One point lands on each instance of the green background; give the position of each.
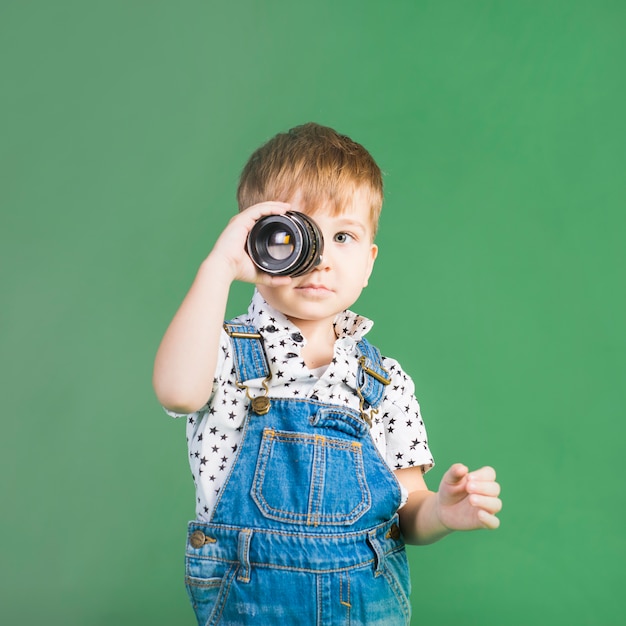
(500, 127)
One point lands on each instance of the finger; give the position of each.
(272, 207)
(231, 242)
(454, 481)
(484, 473)
(248, 217)
(486, 503)
(488, 520)
(272, 281)
(485, 488)
(455, 474)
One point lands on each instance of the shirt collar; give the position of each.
(347, 324)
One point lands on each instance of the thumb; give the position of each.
(271, 280)
(455, 474)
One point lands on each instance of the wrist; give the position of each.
(440, 516)
(218, 268)
(421, 520)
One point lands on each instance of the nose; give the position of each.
(324, 263)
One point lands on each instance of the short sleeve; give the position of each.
(406, 440)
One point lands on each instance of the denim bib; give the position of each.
(305, 528)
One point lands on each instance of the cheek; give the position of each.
(359, 275)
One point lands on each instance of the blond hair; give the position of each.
(322, 166)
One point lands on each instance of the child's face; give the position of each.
(336, 283)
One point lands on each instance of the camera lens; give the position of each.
(285, 245)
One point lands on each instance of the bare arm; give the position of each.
(186, 359)
(465, 501)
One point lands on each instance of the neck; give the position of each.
(320, 341)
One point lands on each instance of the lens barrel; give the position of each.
(290, 244)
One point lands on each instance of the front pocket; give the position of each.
(310, 479)
(208, 588)
(396, 573)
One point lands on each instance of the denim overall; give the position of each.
(305, 529)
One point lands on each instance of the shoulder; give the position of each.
(401, 385)
(396, 371)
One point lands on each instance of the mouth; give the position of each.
(314, 288)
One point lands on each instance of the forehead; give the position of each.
(353, 209)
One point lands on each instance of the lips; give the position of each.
(314, 288)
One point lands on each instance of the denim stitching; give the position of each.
(379, 554)
(222, 596)
(380, 530)
(291, 568)
(243, 553)
(396, 587)
(346, 602)
(250, 361)
(318, 597)
(316, 490)
(372, 390)
(269, 437)
(386, 548)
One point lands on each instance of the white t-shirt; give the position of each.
(214, 432)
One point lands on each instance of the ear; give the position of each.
(373, 253)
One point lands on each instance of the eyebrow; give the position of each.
(347, 222)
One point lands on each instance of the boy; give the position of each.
(306, 496)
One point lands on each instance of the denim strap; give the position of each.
(243, 554)
(372, 378)
(251, 363)
(249, 356)
(379, 552)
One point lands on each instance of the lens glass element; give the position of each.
(280, 245)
